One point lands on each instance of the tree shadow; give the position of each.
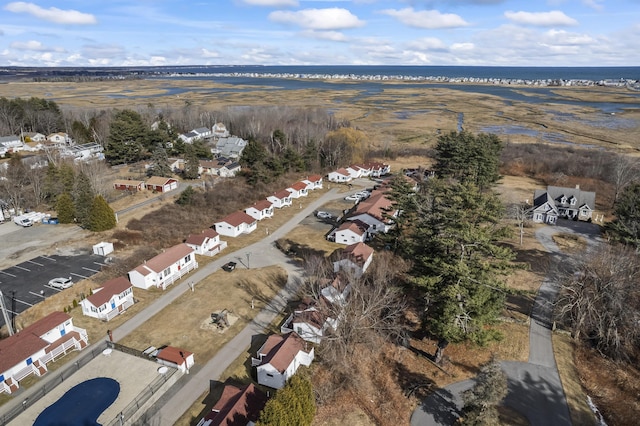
(536, 392)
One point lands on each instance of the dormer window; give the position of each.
(573, 201)
(563, 200)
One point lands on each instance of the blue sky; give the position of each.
(327, 32)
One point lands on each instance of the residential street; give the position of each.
(169, 409)
(534, 387)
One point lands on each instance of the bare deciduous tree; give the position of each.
(625, 171)
(600, 301)
(371, 312)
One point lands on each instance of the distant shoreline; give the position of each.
(625, 77)
(622, 82)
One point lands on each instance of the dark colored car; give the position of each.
(229, 266)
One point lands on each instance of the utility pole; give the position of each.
(5, 314)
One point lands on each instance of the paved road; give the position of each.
(264, 254)
(534, 387)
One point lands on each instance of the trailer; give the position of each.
(28, 219)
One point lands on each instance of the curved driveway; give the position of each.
(534, 387)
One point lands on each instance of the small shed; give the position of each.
(103, 248)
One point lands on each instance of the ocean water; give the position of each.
(525, 73)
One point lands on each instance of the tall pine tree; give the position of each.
(83, 196)
(101, 215)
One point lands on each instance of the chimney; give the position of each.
(577, 186)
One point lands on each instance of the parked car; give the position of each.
(323, 215)
(353, 197)
(61, 283)
(229, 266)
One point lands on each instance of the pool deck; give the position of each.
(133, 374)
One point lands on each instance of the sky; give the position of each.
(320, 32)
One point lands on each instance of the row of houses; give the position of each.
(246, 221)
(355, 171)
(217, 131)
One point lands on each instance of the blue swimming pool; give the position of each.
(82, 404)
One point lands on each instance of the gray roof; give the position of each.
(556, 194)
(201, 130)
(9, 138)
(231, 146)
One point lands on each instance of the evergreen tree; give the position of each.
(127, 138)
(254, 153)
(83, 197)
(52, 182)
(294, 404)
(469, 158)
(191, 163)
(67, 177)
(101, 215)
(310, 156)
(64, 208)
(481, 401)
(186, 196)
(291, 160)
(160, 163)
(626, 227)
(453, 243)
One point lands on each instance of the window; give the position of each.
(187, 258)
(166, 272)
(269, 375)
(573, 201)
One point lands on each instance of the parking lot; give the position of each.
(28, 282)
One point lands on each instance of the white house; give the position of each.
(33, 137)
(280, 357)
(219, 130)
(351, 232)
(298, 189)
(29, 350)
(341, 175)
(377, 212)
(313, 182)
(206, 243)
(337, 292)
(236, 406)
(59, 138)
(263, 209)
(85, 152)
(11, 144)
(357, 171)
(164, 269)
(195, 134)
(235, 224)
(308, 322)
(176, 358)
(280, 199)
(114, 297)
(229, 169)
(355, 259)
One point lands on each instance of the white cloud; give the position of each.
(541, 19)
(325, 35)
(568, 39)
(318, 19)
(428, 43)
(462, 47)
(53, 14)
(272, 3)
(594, 4)
(427, 19)
(33, 45)
(206, 53)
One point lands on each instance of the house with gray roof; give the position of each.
(560, 202)
(230, 147)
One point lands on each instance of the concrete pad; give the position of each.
(133, 373)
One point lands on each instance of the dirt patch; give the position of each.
(570, 243)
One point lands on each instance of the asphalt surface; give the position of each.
(28, 282)
(534, 387)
